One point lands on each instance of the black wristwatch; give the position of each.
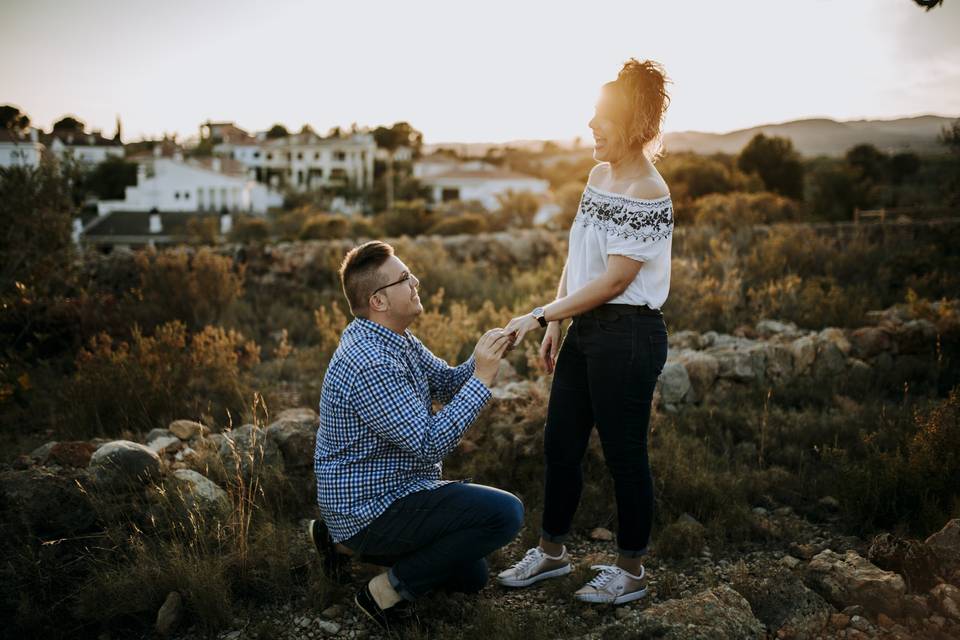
(538, 314)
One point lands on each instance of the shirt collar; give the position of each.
(388, 336)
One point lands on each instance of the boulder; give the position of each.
(702, 370)
(947, 598)
(804, 353)
(850, 579)
(777, 362)
(735, 364)
(122, 462)
(911, 559)
(248, 448)
(771, 328)
(867, 342)
(163, 443)
(187, 429)
(170, 614)
(41, 503)
(837, 338)
(830, 361)
(199, 493)
(296, 437)
(784, 604)
(71, 454)
(302, 415)
(916, 337)
(674, 383)
(945, 544)
(719, 613)
(41, 453)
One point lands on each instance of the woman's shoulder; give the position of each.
(648, 188)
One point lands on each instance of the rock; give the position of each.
(71, 454)
(674, 383)
(947, 598)
(790, 562)
(601, 534)
(506, 373)
(859, 374)
(780, 601)
(170, 614)
(685, 340)
(40, 454)
(884, 620)
(332, 612)
(302, 415)
(839, 620)
(916, 336)
(702, 371)
(621, 612)
(296, 439)
(915, 606)
(836, 337)
(200, 493)
(829, 503)
(804, 354)
(778, 362)
(40, 503)
(248, 449)
(122, 462)
(945, 545)
(830, 361)
(512, 390)
(735, 365)
(760, 511)
(187, 429)
(161, 444)
(867, 342)
(719, 613)
(153, 434)
(912, 559)
(328, 627)
(851, 579)
(770, 328)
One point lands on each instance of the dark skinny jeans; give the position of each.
(605, 374)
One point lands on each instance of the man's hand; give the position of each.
(520, 326)
(550, 346)
(490, 348)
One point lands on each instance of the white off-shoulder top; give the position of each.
(612, 224)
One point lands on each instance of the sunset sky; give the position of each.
(470, 71)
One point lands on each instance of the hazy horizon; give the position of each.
(511, 72)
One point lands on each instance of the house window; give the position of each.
(269, 156)
(289, 156)
(339, 155)
(176, 195)
(316, 156)
(300, 156)
(256, 154)
(449, 194)
(186, 195)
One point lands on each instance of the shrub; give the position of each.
(250, 230)
(465, 223)
(324, 227)
(738, 209)
(150, 381)
(410, 218)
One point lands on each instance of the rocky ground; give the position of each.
(824, 587)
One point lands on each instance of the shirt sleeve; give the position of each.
(642, 233)
(444, 380)
(386, 401)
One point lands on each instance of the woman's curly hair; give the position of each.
(642, 85)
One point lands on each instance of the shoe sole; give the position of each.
(376, 622)
(554, 573)
(599, 599)
(310, 534)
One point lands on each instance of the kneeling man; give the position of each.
(380, 447)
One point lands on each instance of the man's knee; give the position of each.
(509, 515)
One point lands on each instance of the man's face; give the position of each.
(399, 297)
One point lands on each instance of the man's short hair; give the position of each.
(360, 274)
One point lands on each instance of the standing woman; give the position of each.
(615, 280)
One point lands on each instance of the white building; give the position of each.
(300, 161)
(210, 184)
(482, 185)
(87, 148)
(20, 150)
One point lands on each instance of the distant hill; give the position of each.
(811, 137)
(822, 136)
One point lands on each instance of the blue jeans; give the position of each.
(440, 538)
(605, 374)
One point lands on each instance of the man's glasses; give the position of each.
(404, 278)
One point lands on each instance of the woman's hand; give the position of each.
(520, 326)
(550, 346)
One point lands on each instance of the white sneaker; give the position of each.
(612, 585)
(535, 566)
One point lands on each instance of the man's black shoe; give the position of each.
(335, 565)
(392, 619)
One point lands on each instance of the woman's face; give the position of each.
(607, 131)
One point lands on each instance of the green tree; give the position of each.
(870, 162)
(903, 165)
(69, 123)
(109, 179)
(12, 119)
(950, 136)
(401, 134)
(776, 162)
(277, 131)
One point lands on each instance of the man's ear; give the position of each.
(378, 302)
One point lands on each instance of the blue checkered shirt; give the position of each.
(379, 439)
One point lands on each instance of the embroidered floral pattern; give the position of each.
(645, 220)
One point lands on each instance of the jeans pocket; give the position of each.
(620, 326)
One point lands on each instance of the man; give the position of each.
(380, 447)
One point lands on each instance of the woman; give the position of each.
(616, 278)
